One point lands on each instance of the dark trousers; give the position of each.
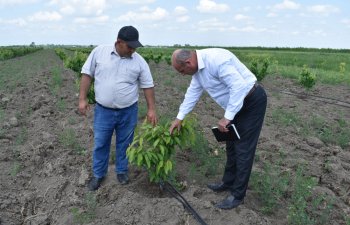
(240, 154)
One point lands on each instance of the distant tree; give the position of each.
(32, 44)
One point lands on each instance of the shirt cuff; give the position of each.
(180, 116)
(229, 115)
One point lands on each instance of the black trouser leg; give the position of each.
(240, 154)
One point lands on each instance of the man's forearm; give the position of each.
(150, 99)
(84, 86)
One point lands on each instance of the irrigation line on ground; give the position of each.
(314, 97)
(167, 186)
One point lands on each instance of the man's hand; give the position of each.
(152, 117)
(83, 106)
(222, 124)
(175, 124)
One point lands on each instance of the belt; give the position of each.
(252, 90)
(115, 109)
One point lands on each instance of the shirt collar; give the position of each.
(200, 60)
(114, 51)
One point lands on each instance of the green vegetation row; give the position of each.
(328, 66)
(15, 51)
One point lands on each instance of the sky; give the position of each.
(226, 23)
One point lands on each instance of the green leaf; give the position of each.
(167, 140)
(131, 154)
(177, 140)
(141, 141)
(148, 162)
(159, 166)
(139, 159)
(169, 165)
(156, 142)
(162, 149)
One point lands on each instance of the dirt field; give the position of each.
(44, 170)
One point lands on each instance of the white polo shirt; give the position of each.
(226, 79)
(117, 79)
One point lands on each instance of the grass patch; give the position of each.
(329, 132)
(68, 139)
(61, 105)
(16, 168)
(271, 184)
(22, 136)
(86, 215)
(285, 118)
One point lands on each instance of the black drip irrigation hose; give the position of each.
(170, 188)
(327, 100)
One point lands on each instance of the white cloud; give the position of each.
(180, 10)
(45, 16)
(323, 9)
(241, 17)
(286, 4)
(208, 6)
(68, 10)
(16, 2)
(271, 15)
(85, 20)
(145, 14)
(180, 13)
(139, 2)
(81, 7)
(252, 29)
(317, 33)
(212, 24)
(346, 22)
(182, 19)
(17, 22)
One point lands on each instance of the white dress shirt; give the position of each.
(223, 77)
(117, 79)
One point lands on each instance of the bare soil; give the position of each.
(43, 174)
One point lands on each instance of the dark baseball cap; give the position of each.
(130, 35)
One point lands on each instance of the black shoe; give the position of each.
(123, 178)
(94, 183)
(218, 187)
(229, 203)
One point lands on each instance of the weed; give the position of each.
(61, 105)
(22, 136)
(297, 210)
(67, 139)
(2, 115)
(285, 118)
(88, 215)
(15, 169)
(206, 162)
(326, 167)
(142, 110)
(56, 77)
(72, 120)
(347, 220)
(271, 185)
(336, 133)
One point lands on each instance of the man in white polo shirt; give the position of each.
(118, 72)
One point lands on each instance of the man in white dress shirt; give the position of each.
(234, 87)
(119, 72)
